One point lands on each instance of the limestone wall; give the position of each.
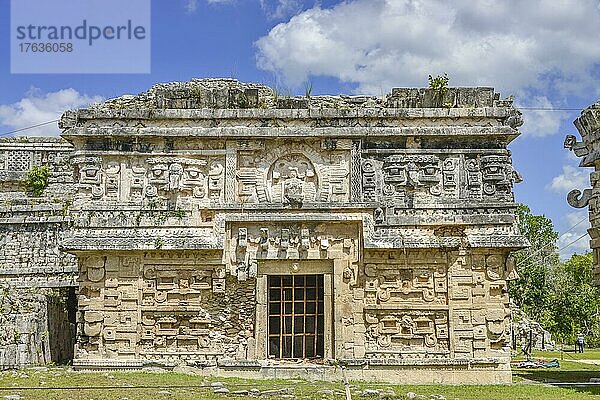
(33, 269)
(176, 309)
(23, 327)
(31, 226)
(189, 196)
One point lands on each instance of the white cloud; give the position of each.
(278, 9)
(571, 178)
(190, 6)
(575, 239)
(513, 45)
(36, 108)
(539, 121)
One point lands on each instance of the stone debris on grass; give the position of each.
(219, 388)
(157, 370)
(370, 392)
(186, 369)
(275, 392)
(38, 369)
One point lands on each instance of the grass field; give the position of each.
(62, 383)
(569, 371)
(162, 386)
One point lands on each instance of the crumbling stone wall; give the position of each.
(23, 328)
(31, 227)
(176, 311)
(33, 269)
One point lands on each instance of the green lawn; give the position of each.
(61, 383)
(569, 370)
(163, 386)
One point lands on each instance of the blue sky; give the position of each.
(545, 53)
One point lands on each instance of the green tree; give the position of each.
(560, 296)
(531, 290)
(575, 301)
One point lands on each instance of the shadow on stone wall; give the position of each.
(38, 326)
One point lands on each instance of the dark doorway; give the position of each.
(62, 311)
(295, 322)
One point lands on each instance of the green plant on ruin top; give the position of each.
(439, 83)
(36, 179)
(308, 88)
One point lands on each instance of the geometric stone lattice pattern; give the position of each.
(191, 195)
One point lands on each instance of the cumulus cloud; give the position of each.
(512, 45)
(575, 239)
(571, 178)
(37, 107)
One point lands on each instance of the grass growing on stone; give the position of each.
(46, 383)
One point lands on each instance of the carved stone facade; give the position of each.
(205, 215)
(193, 198)
(588, 125)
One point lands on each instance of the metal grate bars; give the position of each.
(295, 322)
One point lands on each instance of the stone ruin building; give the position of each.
(588, 125)
(37, 280)
(219, 224)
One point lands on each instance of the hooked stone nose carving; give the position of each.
(575, 200)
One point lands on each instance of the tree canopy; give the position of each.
(559, 295)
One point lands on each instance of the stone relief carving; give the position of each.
(588, 126)
(292, 176)
(403, 180)
(292, 180)
(298, 241)
(579, 200)
(157, 177)
(401, 331)
(403, 172)
(392, 285)
(172, 298)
